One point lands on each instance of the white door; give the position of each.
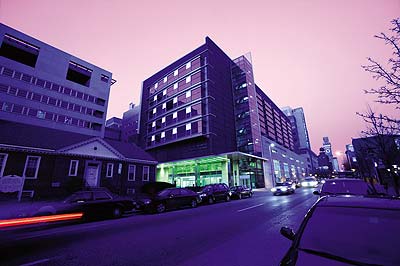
(91, 175)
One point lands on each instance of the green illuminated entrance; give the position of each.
(232, 169)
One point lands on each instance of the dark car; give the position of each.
(239, 192)
(348, 186)
(346, 230)
(92, 203)
(215, 192)
(167, 199)
(283, 188)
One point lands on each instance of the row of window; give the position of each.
(50, 101)
(73, 170)
(175, 102)
(176, 74)
(32, 164)
(188, 129)
(31, 167)
(175, 117)
(51, 86)
(40, 114)
(27, 54)
(175, 88)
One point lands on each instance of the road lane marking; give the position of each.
(36, 262)
(72, 230)
(255, 206)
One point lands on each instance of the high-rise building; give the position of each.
(327, 148)
(43, 86)
(301, 139)
(299, 127)
(204, 118)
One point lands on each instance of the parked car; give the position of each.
(283, 188)
(346, 230)
(152, 188)
(239, 192)
(309, 182)
(168, 199)
(92, 203)
(215, 192)
(349, 186)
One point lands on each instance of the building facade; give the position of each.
(378, 158)
(206, 121)
(57, 163)
(44, 86)
(130, 124)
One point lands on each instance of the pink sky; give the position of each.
(305, 53)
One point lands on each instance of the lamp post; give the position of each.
(270, 146)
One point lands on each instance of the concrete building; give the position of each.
(44, 86)
(327, 148)
(351, 157)
(378, 158)
(130, 124)
(206, 121)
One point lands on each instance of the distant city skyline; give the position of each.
(305, 54)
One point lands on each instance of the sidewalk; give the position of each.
(26, 208)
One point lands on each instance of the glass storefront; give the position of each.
(232, 169)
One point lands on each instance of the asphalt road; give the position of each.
(236, 233)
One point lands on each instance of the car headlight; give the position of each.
(203, 195)
(284, 189)
(147, 201)
(304, 184)
(273, 189)
(323, 181)
(314, 183)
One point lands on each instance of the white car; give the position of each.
(309, 182)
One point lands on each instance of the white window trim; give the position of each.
(174, 131)
(176, 72)
(76, 168)
(164, 106)
(37, 166)
(148, 173)
(154, 110)
(174, 115)
(188, 79)
(188, 65)
(164, 92)
(163, 119)
(175, 100)
(189, 126)
(175, 86)
(188, 109)
(134, 172)
(162, 134)
(156, 85)
(165, 79)
(112, 169)
(188, 94)
(3, 166)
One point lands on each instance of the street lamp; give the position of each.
(272, 166)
